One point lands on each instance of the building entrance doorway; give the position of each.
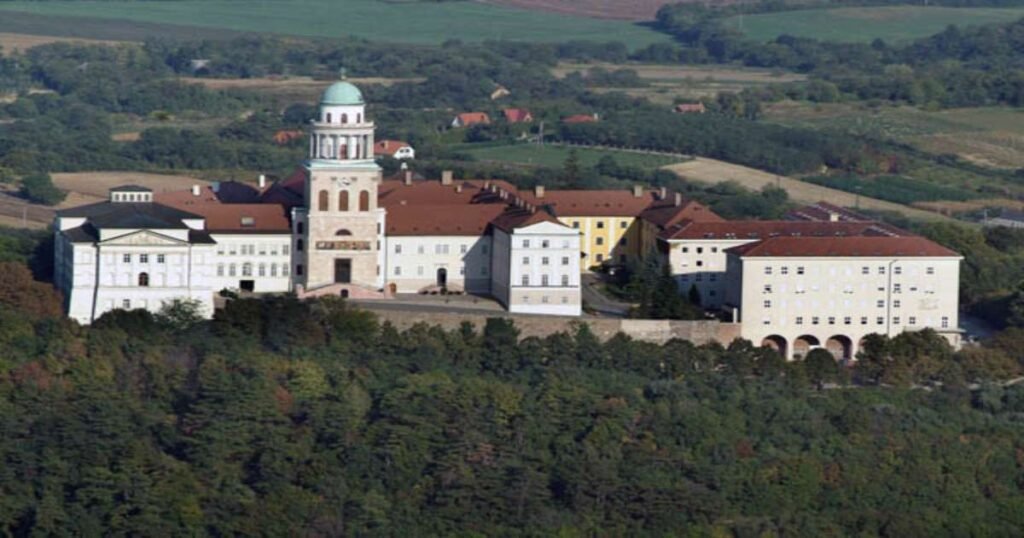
(247, 285)
(343, 271)
(442, 277)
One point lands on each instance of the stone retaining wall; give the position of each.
(650, 330)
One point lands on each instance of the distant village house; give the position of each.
(580, 118)
(468, 119)
(517, 115)
(394, 148)
(690, 108)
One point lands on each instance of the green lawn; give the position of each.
(413, 22)
(555, 156)
(863, 24)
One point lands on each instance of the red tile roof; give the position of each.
(285, 136)
(388, 147)
(471, 118)
(516, 217)
(459, 219)
(665, 214)
(391, 192)
(230, 218)
(596, 203)
(517, 115)
(861, 246)
(762, 229)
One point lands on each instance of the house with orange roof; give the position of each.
(469, 119)
(396, 149)
(517, 115)
(287, 136)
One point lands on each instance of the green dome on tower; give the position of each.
(342, 93)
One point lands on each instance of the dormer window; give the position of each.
(131, 193)
(248, 222)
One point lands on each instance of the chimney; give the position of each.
(679, 199)
(446, 177)
(638, 191)
(662, 193)
(196, 190)
(263, 181)
(833, 216)
(458, 188)
(407, 178)
(538, 191)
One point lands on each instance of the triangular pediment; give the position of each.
(144, 238)
(545, 228)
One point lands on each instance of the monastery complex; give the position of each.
(823, 277)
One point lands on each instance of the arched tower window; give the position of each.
(300, 228)
(299, 246)
(364, 200)
(328, 117)
(359, 118)
(343, 201)
(323, 201)
(344, 118)
(144, 280)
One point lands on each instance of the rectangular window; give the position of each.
(160, 258)
(896, 304)
(799, 270)
(576, 224)
(220, 269)
(912, 320)
(767, 288)
(565, 280)
(525, 280)
(847, 320)
(865, 270)
(420, 249)
(273, 269)
(686, 249)
(565, 260)
(896, 320)
(298, 270)
(864, 320)
(398, 271)
(799, 320)
(263, 249)
(127, 258)
(881, 269)
(398, 248)
(600, 258)
(896, 288)
(463, 249)
(699, 277)
(143, 258)
(126, 304)
(880, 303)
(484, 249)
(767, 270)
(462, 271)
(713, 277)
(945, 322)
(231, 270)
(814, 320)
(526, 243)
(714, 249)
(700, 250)
(767, 304)
(285, 249)
(600, 240)
(785, 270)
(623, 224)
(544, 280)
(526, 260)
(930, 271)
(419, 270)
(897, 270)
(880, 320)
(545, 244)
(600, 224)
(544, 260)
(544, 299)
(262, 270)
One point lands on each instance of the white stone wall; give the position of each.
(264, 259)
(413, 262)
(823, 298)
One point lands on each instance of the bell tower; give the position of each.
(343, 226)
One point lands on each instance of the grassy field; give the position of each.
(864, 24)
(667, 82)
(992, 136)
(413, 22)
(10, 42)
(555, 156)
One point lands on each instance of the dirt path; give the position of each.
(712, 171)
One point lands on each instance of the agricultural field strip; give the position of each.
(864, 24)
(421, 22)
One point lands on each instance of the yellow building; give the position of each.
(617, 226)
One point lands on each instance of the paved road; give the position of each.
(600, 302)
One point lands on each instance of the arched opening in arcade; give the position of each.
(803, 345)
(776, 343)
(840, 346)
